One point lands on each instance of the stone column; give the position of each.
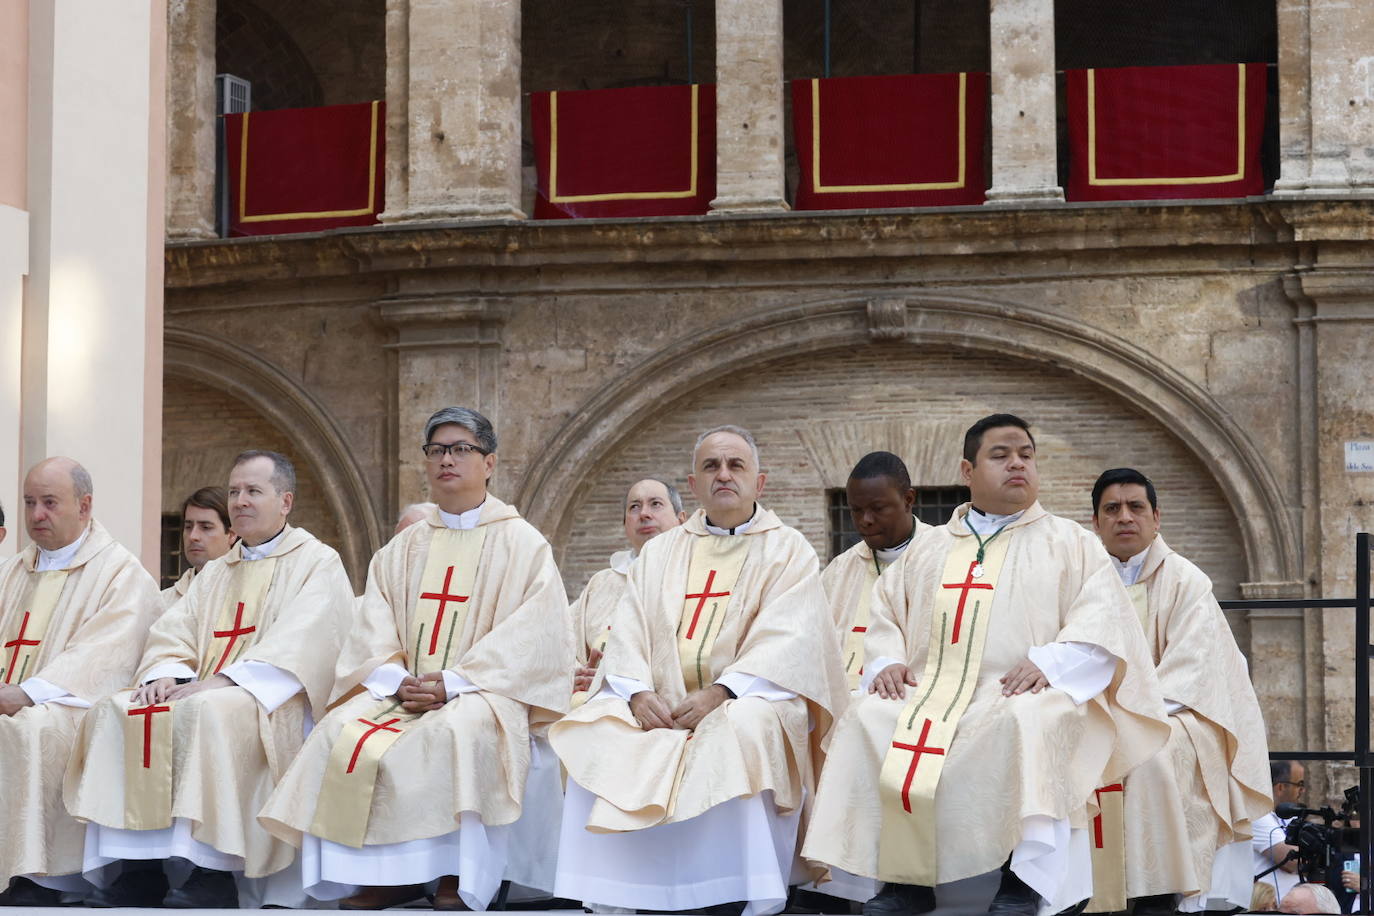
(1024, 143)
(1326, 97)
(749, 125)
(447, 353)
(453, 110)
(191, 119)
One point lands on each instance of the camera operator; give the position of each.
(1289, 779)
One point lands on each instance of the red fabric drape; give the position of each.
(1165, 132)
(890, 141)
(305, 169)
(644, 151)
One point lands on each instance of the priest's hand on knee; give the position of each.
(13, 699)
(422, 694)
(582, 676)
(650, 711)
(892, 682)
(1022, 677)
(153, 692)
(194, 687)
(698, 706)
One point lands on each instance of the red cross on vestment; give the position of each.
(372, 730)
(147, 714)
(233, 636)
(1097, 821)
(17, 644)
(917, 750)
(967, 584)
(702, 597)
(443, 598)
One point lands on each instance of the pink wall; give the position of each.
(14, 102)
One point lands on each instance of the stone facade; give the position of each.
(1222, 347)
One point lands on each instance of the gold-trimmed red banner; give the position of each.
(306, 169)
(914, 140)
(643, 151)
(1145, 133)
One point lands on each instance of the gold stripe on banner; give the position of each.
(555, 197)
(820, 188)
(24, 638)
(311, 214)
(716, 564)
(147, 765)
(911, 769)
(445, 592)
(1109, 852)
(1237, 175)
(854, 640)
(236, 627)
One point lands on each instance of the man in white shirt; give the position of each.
(1290, 781)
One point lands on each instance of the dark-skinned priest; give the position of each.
(690, 767)
(1003, 681)
(428, 775)
(232, 675)
(1180, 824)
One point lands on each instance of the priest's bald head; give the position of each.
(460, 455)
(998, 465)
(652, 506)
(725, 477)
(57, 502)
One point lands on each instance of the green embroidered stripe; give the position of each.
(963, 677)
(448, 646)
(419, 641)
(701, 680)
(939, 663)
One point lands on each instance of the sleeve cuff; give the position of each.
(1173, 707)
(385, 680)
(455, 684)
(269, 685)
(41, 691)
(169, 669)
(623, 687)
(1080, 669)
(872, 671)
(744, 685)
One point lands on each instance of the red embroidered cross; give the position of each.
(917, 750)
(967, 584)
(147, 714)
(17, 644)
(1097, 821)
(375, 727)
(702, 597)
(233, 636)
(443, 598)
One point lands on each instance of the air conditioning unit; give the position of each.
(232, 96)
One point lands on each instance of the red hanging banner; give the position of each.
(1143, 133)
(890, 141)
(644, 151)
(305, 169)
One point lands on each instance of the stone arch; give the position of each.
(557, 479)
(246, 376)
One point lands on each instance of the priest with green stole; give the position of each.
(205, 535)
(75, 608)
(1002, 682)
(652, 506)
(430, 773)
(232, 677)
(1180, 824)
(691, 766)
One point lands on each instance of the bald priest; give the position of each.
(75, 608)
(691, 766)
(1005, 676)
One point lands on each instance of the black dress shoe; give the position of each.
(901, 900)
(1014, 897)
(143, 887)
(23, 892)
(205, 889)
(1156, 905)
(725, 909)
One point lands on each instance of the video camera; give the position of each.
(1320, 846)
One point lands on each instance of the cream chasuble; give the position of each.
(698, 607)
(1010, 762)
(178, 589)
(213, 758)
(81, 629)
(591, 612)
(1201, 793)
(490, 601)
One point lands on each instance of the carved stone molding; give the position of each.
(887, 319)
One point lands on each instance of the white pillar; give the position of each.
(749, 123)
(191, 125)
(1024, 142)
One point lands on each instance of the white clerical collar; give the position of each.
(61, 558)
(622, 559)
(463, 520)
(1130, 570)
(738, 529)
(986, 523)
(888, 555)
(265, 549)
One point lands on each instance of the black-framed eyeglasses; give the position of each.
(1296, 785)
(435, 451)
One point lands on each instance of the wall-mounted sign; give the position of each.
(1359, 457)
